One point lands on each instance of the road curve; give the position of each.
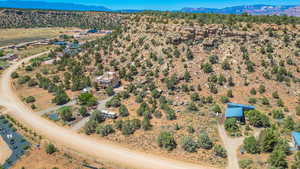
(101, 150)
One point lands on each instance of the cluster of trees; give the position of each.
(167, 141)
(65, 113)
(191, 145)
(269, 141)
(258, 119)
(87, 99)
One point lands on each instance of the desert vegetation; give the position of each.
(177, 72)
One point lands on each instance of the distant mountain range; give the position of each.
(52, 6)
(290, 10)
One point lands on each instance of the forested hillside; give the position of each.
(177, 71)
(12, 18)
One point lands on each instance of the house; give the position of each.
(237, 111)
(108, 79)
(296, 139)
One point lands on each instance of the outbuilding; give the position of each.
(235, 110)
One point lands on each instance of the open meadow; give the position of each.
(21, 35)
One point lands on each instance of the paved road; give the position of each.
(102, 150)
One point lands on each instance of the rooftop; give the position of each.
(245, 107)
(296, 136)
(234, 112)
(107, 76)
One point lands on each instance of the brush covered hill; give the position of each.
(178, 71)
(14, 18)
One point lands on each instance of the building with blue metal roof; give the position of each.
(296, 139)
(237, 111)
(234, 112)
(245, 107)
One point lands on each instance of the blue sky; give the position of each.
(175, 4)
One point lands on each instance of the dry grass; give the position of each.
(5, 151)
(37, 158)
(20, 35)
(34, 50)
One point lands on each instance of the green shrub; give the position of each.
(30, 99)
(220, 151)
(246, 163)
(14, 75)
(231, 125)
(50, 149)
(204, 141)
(251, 145)
(188, 144)
(109, 91)
(105, 130)
(166, 140)
(123, 111)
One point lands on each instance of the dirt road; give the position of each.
(104, 151)
(231, 145)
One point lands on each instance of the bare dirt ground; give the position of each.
(84, 144)
(5, 151)
(37, 158)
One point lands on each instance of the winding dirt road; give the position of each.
(101, 150)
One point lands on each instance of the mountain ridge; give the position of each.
(51, 6)
(257, 9)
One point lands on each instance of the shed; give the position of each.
(296, 139)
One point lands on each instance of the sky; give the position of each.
(174, 4)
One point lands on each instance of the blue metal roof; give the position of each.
(234, 112)
(245, 107)
(296, 136)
